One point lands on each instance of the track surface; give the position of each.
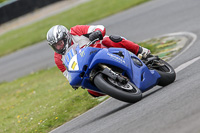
(175, 108)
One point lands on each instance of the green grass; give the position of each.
(2, 1)
(40, 102)
(82, 14)
(165, 47)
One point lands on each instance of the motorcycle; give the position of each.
(116, 72)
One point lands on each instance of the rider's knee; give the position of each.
(115, 38)
(95, 94)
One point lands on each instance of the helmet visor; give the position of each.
(59, 46)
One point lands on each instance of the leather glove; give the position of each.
(144, 52)
(96, 34)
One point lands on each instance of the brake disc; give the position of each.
(126, 86)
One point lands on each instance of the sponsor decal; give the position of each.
(82, 53)
(118, 59)
(73, 65)
(93, 52)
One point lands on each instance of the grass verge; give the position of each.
(40, 102)
(165, 47)
(82, 14)
(1, 1)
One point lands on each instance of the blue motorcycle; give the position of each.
(116, 72)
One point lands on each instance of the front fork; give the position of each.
(111, 74)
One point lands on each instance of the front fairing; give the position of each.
(76, 60)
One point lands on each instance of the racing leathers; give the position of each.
(80, 34)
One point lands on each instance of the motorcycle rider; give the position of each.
(60, 38)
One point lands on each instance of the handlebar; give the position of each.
(91, 42)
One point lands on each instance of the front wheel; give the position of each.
(125, 92)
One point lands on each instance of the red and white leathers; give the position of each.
(80, 34)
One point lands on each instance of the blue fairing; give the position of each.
(141, 76)
(80, 62)
(84, 57)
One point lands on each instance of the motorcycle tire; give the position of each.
(127, 93)
(167, 74)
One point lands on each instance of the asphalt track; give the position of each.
(174, 108)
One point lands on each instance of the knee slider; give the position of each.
(115, 38)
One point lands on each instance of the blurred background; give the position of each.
(10, 9)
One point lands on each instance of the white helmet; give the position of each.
(59, 38)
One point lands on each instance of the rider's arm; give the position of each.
(59, 64)
(87, 29)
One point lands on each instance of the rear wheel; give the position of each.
(165, 70)
(167, 74)
(127, 92)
